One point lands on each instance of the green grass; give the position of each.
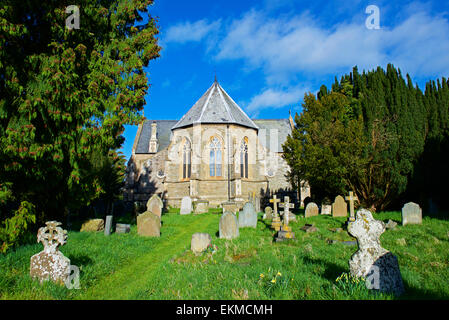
(128, 266)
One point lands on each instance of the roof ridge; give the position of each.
(207, 101)
(244, 113)
(225, 103)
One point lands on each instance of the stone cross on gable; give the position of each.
(275, 201)
(287, 206)
(351, 198)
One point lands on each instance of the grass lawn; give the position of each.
(128, 266)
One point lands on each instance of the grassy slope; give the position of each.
(128, 266)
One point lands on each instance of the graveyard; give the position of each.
(253, 265)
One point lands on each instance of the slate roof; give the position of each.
(163, 135)
(215, 106)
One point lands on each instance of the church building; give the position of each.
(215, 153)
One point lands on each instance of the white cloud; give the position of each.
(190, 31)
(275, 98)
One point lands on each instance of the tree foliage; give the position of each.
(66, 94)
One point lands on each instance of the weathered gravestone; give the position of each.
(379, 266)
(311, 210)
(155, 205)
(230, 206)
(411, 214)
(186, 205)
(122, 228)
(228, 227)
(200, 206)
(92, 225)
(339, 207)
(287, 214)
(326, 209)
(200, 242)
(108, 226)
(351, 198)
(248, 216)
(268, 213)
(51, 264)
(149, 225)
(276, 221)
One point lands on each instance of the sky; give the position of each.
(268, 53)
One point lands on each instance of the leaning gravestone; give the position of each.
(228, 227)
(268, 213)
(379, 266)
(200, 242)
(186, 205)
(411, 214)
(339, 207)
(155, 205)
(248, 216)
(51, 264)
(311, 210)
(92, 225)
(149, 225)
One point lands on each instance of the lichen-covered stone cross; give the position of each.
(52, 236)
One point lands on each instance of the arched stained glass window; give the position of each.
(215, 159)
(244, 158)
(186, 160)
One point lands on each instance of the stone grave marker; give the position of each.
(326, 209)
(378, 266)
(228, 227)
(230, 206)
(248, 216)
(309, 228)
(200, 206)
(268, 213)
(155, 205)
(276, 221)
(92, 225)
(339, 207)
(351, 198)
(411, 214)
(122, 228)
(200, 242)
(149, 224)
(311, 210)
(50, 263)
(287, 215)
(186, 205)
(108, 226)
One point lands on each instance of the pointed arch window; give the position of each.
(215, 160)
(186, 159)
(244, 158)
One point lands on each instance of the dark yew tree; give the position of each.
(67, 93)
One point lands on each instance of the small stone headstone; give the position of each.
(200, 206)
(93, 225)
(51, 264)
(230, 206)
(108, 226)
(339, 207)
(248, 216)
(122, 228)
(186, 205)
(200, 242)
(411, 214)
(149, 224)
(155, 205)
(309, 228)
(372, 261)
(391, 225)
(268, 213)
(311, 210)
(228, 226)
(326, 209)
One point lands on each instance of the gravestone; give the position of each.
(268, 213)
(248, 216)
(149, 224)
(326, 209)
(228, 227)
(339, 207)
(200, 206)
(309, 228)
(411, 214)
(379, 266)
(155, 205)
(230, 206)
(351, 198)
(92, 225)
(276, 221)
(200, 242)
(287, 215)
(186, 205)
(391, 225)
(311, 210)
(51, 264)
(122, 228)
(108, 226)
(257, 203)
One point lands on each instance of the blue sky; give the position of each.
(267, 54)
